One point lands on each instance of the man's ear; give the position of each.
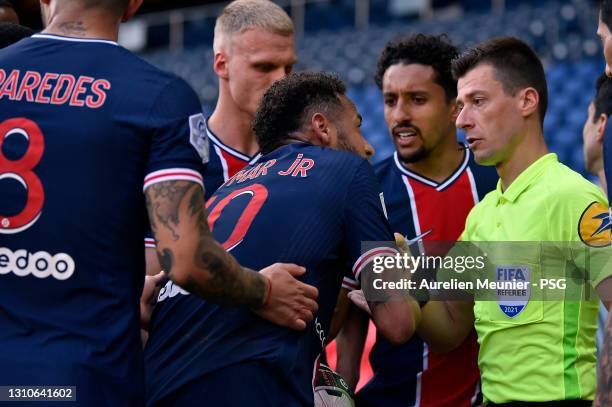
(454, 111)
(601, 127)
(220, 65)
(321, 128)
(529, 101)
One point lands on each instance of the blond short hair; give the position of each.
(240, 15)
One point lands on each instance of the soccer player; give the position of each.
(7, 13)
(304, 201)
(253, 47)
(594, 130)
(430, 184)
(85, 127)
(593, 135)
(532, 351)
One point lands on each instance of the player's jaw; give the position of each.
(408, 140)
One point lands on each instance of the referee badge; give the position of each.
(513, 288)
(594, 225)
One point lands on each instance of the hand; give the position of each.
(401, 243)
(359, 300)
(290, 302)
(148, 299)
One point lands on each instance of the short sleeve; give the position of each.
(367, 230)
(179, 143)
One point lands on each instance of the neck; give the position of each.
(598, 169)
(92, 24)
(602, 180)
(233, 126)
(531, 148)
(441, 162)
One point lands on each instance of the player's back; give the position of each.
(298, 205)
(79, 120)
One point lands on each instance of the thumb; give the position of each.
(357, 297)
(293, 269)
(399, 239)
(160, 278)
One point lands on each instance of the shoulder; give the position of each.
(384, 167)
(567, 188)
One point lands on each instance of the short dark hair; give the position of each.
(10, 33)
(515, 65)
(289, 103)
(6, 3)
(436, 51)
(603, 97)
(605, 12)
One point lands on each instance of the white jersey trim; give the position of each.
(172, 174)
(369, 256)
(74, 39)
(439, 187)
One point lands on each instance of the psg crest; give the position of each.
(512, 292)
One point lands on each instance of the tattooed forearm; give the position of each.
(604, 380)
(73, 27)
(178, 220)
(229, 283)
(163, 202)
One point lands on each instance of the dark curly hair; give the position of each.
(289, 103)
(436, 51)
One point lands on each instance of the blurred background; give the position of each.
(347, 36)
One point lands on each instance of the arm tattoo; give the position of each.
(163, 201)
(604, 380)
(176, 206)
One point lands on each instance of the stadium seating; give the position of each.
(563, 33)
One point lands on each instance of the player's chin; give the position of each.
(484, 157)
(410, 154)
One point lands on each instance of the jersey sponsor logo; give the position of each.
(170, 290)
(40, 264)
(198, 136)
(594, 225)
(512, 302)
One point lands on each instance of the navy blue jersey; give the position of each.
(223, 163)
(411, 374)
(301, 204)
(607, 155)
(84, 125)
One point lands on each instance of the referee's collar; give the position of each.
(525, 178)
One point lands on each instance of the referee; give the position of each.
(532, 353)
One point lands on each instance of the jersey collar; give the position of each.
(427, 181)
(525, 178)
(217, 142)
(74, 39)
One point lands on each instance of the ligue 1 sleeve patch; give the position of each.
(594, 225)
(198, 136)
